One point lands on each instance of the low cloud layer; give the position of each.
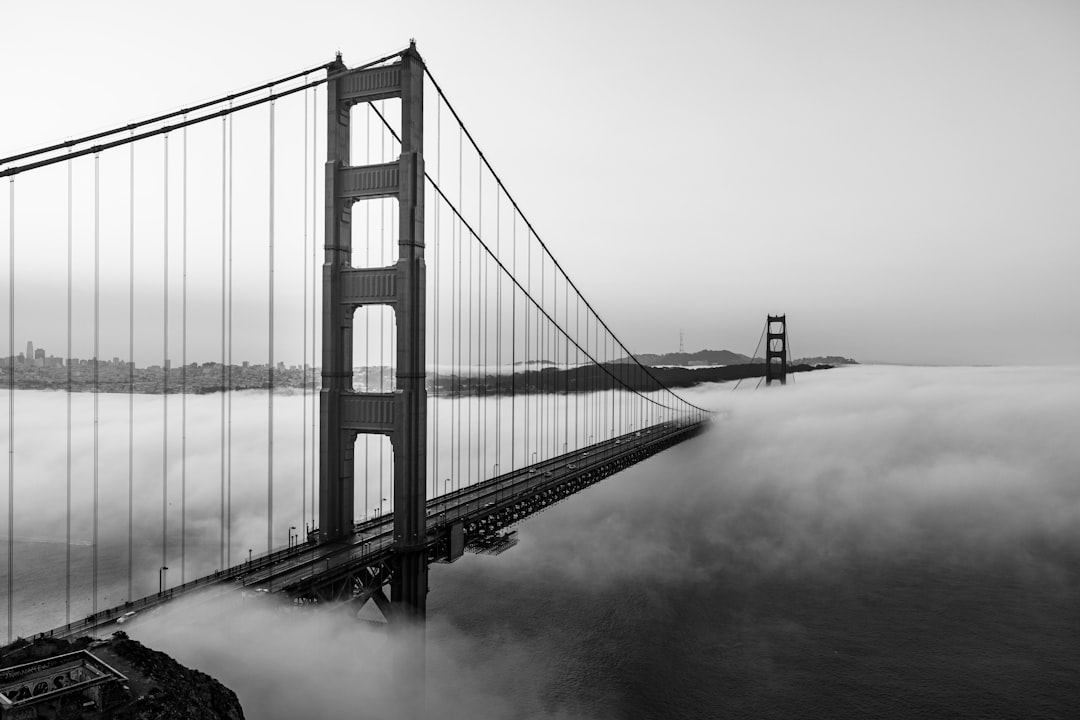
(858, 536)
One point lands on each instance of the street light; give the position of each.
(291, 528)
(249, 556)
(161, 578)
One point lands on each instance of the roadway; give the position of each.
(495, 503)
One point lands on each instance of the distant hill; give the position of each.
(701, 357)
(726, 357)
(826, 360)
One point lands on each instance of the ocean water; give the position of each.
(865, 542)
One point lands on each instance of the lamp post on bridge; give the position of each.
(161, 578)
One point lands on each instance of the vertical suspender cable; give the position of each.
(270, 361)
(229, 363)
(498, 331)
(224, 371)
(469, 360)
(525, 367)
(131, 370)
(97, 335)
(481, 367)
(455, 309)
(11, 408)
(594, 408)
(543, 326)
(435, 305)
(303, 337)
(553, 350)
(541, 348)
(183, 366)
(458, 400)
(165, 372)
(455, 303)
(513, 349)
(367, 317)
(382, 315)
(67, 554)
(481, 333)
(577, 372)
(314, 327)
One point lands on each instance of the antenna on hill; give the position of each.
(681, 341)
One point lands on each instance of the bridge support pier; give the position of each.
(400, 415)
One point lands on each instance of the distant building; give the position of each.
(65, 686)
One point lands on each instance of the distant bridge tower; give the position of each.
(400, 415)
(776, 349)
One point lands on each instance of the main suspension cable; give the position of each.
(756, 347)
(131, 127)
(175, 126)
(517, 208)
(539, 308)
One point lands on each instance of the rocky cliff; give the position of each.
(156, 688)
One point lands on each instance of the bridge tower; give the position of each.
(400, 415)
(776, 349)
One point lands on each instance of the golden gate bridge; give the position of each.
(454, 379)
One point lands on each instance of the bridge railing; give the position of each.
(102, 617)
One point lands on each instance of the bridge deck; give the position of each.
(479, 510)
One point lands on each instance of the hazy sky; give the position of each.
(899, 178)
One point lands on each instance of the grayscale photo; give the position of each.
(550, 361)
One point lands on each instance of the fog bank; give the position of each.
(872, 541)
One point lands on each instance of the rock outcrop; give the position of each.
(156, 687)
